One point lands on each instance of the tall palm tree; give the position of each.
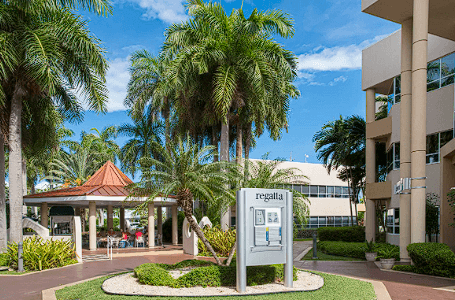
(46, 50)
(237, 59)
(143, 133)
(149, 87)
(105, 144)
(186, 172)
(341, 144)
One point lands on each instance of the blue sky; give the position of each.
(329, 37)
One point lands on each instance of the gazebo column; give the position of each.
(122, 219)
(44, 214)
(110, 217)
(92, 225)
(159, 217)
(151, 233)
(175, 239)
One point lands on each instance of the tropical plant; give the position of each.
(341, 144)
(185, 171)
(383, 108)
(387, 253)
(46, 52)
(370, 246)
(144, 132)
(451, 199)
(269, 174)
(230, 69)
(222, 241)
(431, 215)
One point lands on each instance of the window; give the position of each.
(440, 72)
(314, 191)
(322, 192)
(393, 157)
(306, 190)
(345, 192)
(330, 221)
(393, 221)
(434, 144)
(395, 92)
(338, 192)
(330, 191)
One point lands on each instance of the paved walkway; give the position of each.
(399, 285)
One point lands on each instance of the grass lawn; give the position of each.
(303, 240)
(323, 256)
(335, 287)
(13, 273)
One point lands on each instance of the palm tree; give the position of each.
(186, 172)
(143, 133)
(236, 62)
(105, 144)
(267, 174)
(341, 144)
(149, 87)
(46, 50)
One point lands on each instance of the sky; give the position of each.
(328, 41)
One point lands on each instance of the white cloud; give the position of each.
(335, 58)
(117, 78)
(338, 79)
(169, 11)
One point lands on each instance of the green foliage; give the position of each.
(153, 274)
(356, 250)
(116, 222)
(404, 268)
(389, 252)
(221, 241)
(345, 234)
(167, 228)
(431, 215)
(370, 246)
(207, 274)
(432, 259)
(4, 261)
(40, 254)
(451, 199)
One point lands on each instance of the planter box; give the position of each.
(371, 256)
(387, 263)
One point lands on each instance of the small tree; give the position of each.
(431, 215)
(188, 173)
(451, 196)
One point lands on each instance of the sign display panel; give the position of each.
(264, 231)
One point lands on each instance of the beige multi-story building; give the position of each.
(415, 68)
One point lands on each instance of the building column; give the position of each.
(168, 212)
(44, 214)
(175, 238)
(92, 224)
(110, 217)
(151, 224)
(419, 119)
(122, 219)
(160, 220)
(370, 167)
(405, 136)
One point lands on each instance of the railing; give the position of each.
(109, 245)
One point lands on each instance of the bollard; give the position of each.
(315, 242)
(20, 260)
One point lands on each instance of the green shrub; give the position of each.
(152, 274)
(344, 234)
(432, 259)
(40, 254)
(404, 268)
(389, 252)
(4, 259)
(221, 241)
(167, 228)
(207, 274)
(356, 250)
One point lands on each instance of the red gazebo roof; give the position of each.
(107, 181)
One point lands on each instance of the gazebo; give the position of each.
(105, 189)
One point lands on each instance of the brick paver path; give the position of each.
(400, 286)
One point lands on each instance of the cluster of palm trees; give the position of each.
(340, 144)
(219, 79)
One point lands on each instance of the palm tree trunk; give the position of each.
(248, 141)
(215, 143)
(185, 200)
(238, 148)
(15, 165)
(224, 143)
(3, 225)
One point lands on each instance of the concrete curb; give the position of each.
(301, 255)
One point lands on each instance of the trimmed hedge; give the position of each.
(206, 274)
(432, 259)
(343, 234)
(404, 268)
(356, 250)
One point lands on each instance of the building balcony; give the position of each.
(380, 129)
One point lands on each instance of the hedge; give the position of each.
(344, 234)
(404, 268)
(206, 274)
(432, 259)
(356, 250)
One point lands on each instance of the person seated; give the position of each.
(138, 234)
(102, 232)
(111, 232)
